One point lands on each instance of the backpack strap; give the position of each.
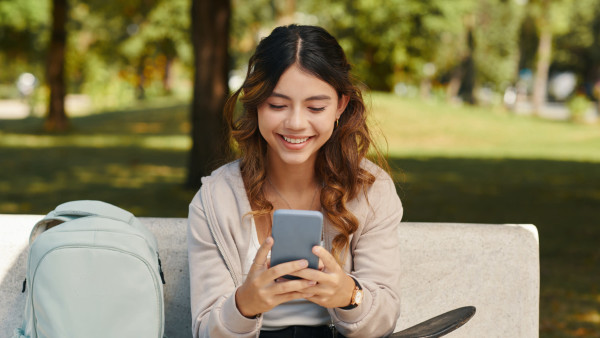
(94, 208)
(77, 209)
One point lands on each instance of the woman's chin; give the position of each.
(298, 159)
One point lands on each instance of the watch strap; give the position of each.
(352, 302)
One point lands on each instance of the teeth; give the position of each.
(295, 140)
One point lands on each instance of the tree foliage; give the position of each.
(393, 41)
(578, 48)
(121, 50)
(135, 41)
(497, 41)
(24, 33)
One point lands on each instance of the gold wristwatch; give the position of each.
(357, 296)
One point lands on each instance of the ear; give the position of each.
(342, 104)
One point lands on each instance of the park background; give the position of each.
(489, 110)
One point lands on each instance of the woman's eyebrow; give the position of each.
(281, 96)
(318, 97)
(311, 98)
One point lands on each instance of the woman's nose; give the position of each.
(296, 119)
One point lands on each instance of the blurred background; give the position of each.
(487, 109)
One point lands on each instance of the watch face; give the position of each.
(358, 298)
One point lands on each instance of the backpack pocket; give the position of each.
(80, 291)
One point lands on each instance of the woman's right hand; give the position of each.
(260, 292)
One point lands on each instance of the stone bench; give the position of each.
(444, 266)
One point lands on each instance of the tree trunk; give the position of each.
(210, 37)
(56, 120)
(425, 88)
(468, 72)
(541, 72)
(140, 88)
(544, 51)
(167, 79)
(454, 84)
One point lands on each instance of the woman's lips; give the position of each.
(295, 140)
(295, 143)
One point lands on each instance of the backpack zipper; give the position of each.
(160, 270)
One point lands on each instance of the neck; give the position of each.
(292, 179)
(295, 186)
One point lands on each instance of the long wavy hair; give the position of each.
(338, 164)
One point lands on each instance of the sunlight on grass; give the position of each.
(589, 317)
(142, 175)
(174, 142)
(144, 128)
(10, 208)
(417, 129)
(120, 176)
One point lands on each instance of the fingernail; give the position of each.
(316, 249)
(312, 282)
(269, 240)
(303, 263)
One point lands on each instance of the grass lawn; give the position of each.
(452, 164)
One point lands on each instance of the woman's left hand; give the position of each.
(334, 287)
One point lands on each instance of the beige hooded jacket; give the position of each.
(219, 232)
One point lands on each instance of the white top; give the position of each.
(295, 312)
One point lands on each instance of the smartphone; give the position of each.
(295, 232)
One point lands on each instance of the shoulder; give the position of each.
(226, 173)
(381, 176)
(227, 177)
(382, 193)
(224, 183)
(378, 207)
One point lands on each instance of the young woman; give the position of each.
(302, 139)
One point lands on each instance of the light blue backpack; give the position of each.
(93, 271)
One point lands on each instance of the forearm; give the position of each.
(376, 316)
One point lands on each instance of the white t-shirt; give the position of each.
(295, 312)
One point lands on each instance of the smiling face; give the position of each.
(298, 117)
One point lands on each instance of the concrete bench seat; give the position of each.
(444, 266)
